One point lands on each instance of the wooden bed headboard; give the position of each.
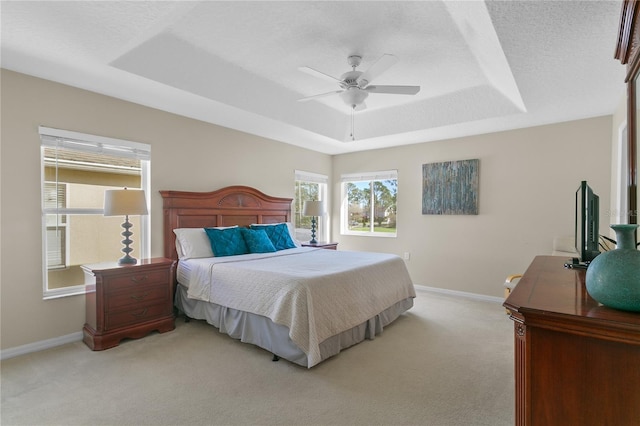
(233, 205)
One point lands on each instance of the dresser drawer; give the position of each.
(131, 281)
(140, 295)
(136, 314)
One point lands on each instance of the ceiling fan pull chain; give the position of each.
(353, 123)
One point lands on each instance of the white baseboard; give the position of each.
(475, 296)
(40, 346)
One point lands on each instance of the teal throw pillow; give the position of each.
(226, 242)
(278, 234)
(257, 241)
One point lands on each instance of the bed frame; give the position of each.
(233, 205)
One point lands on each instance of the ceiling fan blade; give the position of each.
(320, 95)
(381, 65)
(395, 90)
(319, 74)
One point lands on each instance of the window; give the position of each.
(622, 193)
(309, 187)
(369, 203)
(56, 225)
(76, 169)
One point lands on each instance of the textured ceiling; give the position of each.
(482, 66)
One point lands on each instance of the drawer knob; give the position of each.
(141, 297)
(140, 314)
(139, 279)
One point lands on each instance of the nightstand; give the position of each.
(322, 244)
(127, 301)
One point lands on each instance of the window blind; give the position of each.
(367, 176)
(57, 138)
(311, 177)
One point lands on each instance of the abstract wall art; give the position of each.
(450, 187)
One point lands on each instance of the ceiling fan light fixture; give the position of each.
(354, 96)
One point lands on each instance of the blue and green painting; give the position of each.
(450, 187)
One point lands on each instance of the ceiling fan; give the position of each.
(355, 86)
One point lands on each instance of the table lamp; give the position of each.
(313, 209)
(125, 202)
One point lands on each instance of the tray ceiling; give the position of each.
(482, 66)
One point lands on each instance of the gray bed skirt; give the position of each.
(261, 331)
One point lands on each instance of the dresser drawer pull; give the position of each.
(139, 280)
(141, 297)
(140, 314)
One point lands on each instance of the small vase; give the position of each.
(613, 277)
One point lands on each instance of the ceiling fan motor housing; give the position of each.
(350, 79)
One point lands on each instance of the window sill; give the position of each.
(57, 293)
(370, 234)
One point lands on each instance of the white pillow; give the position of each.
(292, 231)
(193, 243)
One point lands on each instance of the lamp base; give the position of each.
(127, 259)
(313, 230)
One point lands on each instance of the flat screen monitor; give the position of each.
(587, 223)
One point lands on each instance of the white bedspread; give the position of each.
(316, 293)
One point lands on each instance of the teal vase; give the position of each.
(613, 277)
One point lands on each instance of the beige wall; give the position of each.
(527, 183)
(186, 155)
(528, 180)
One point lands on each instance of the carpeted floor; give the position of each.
(448, 361)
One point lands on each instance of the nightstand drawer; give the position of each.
(131, 281)
(322, 245)
(136, 314)
(140, 295)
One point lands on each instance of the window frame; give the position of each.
(54, 138)
(622, 194)
(344, 196)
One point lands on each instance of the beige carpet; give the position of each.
(448, 361)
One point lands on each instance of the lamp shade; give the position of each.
(313, 208)
(121, 202)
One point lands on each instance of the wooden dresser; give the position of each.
(127, 301)
(576, 361)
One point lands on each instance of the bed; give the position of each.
(302, 304)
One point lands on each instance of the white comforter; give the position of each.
(316, 293)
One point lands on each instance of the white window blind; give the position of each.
(311, 177)
(365, 176)
(97, 144)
